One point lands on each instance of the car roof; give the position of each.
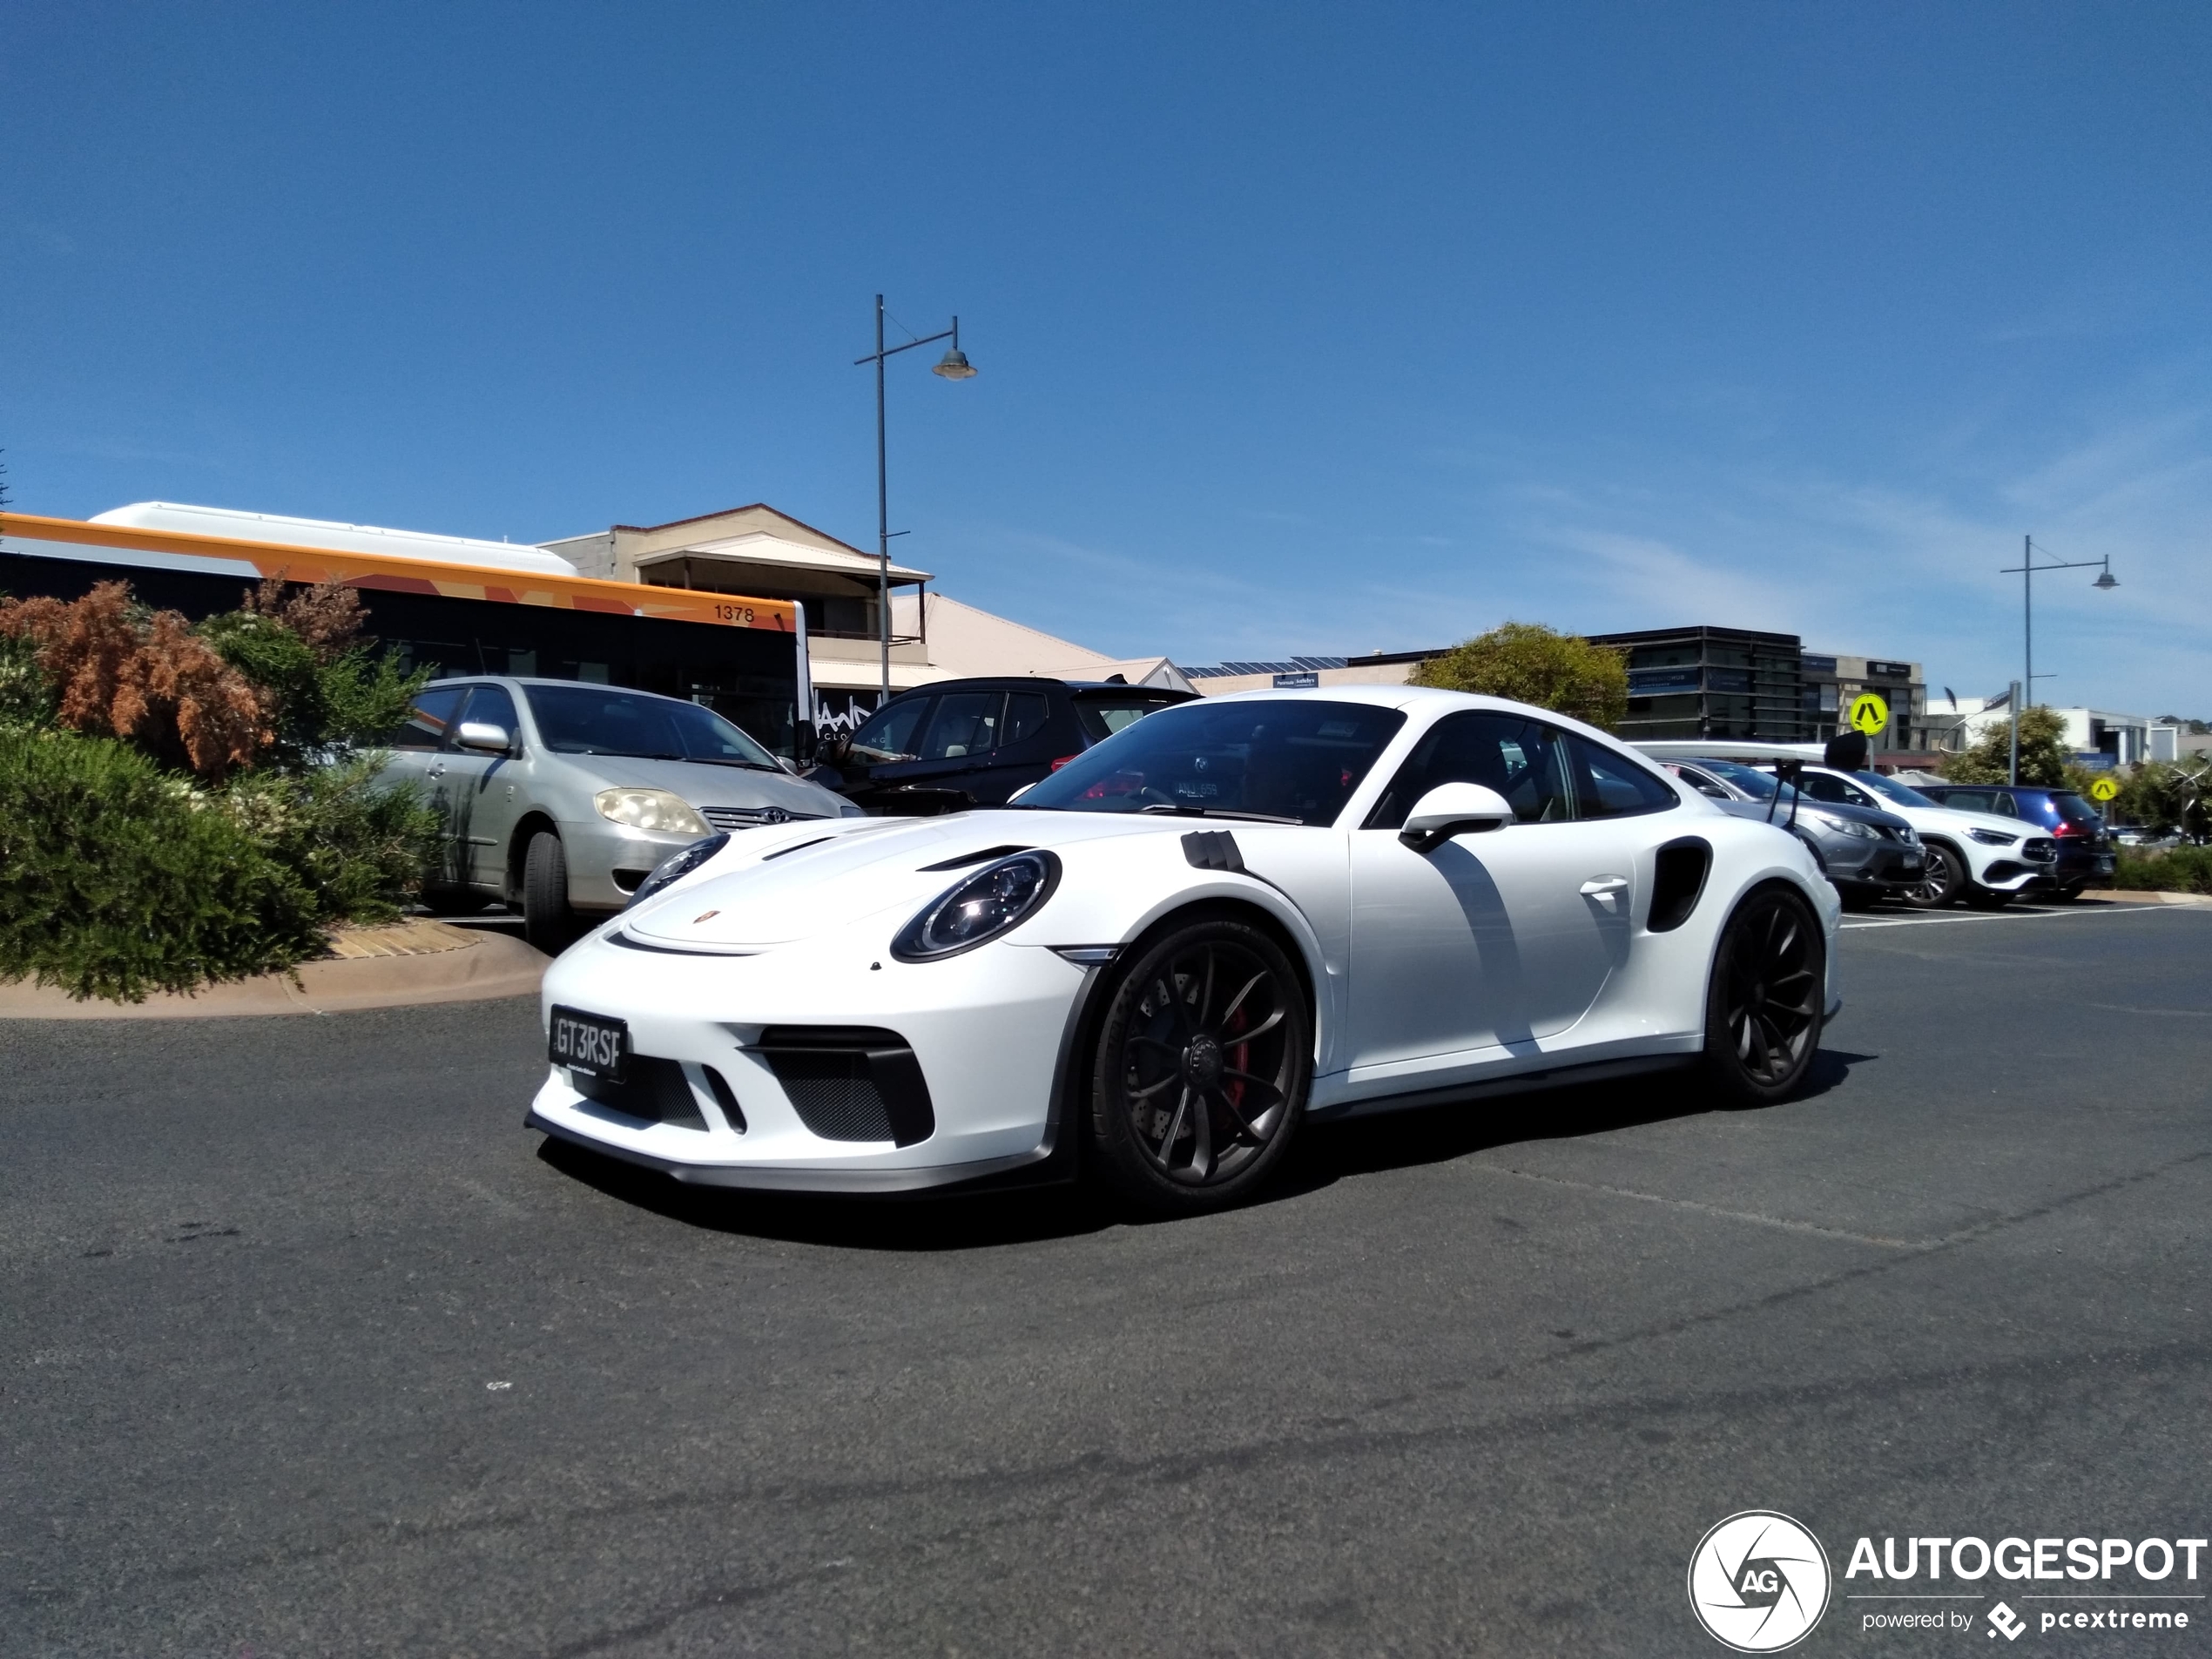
(1022, 682)
(526, 681)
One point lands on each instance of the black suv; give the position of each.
(958, 743)
(2085, 850)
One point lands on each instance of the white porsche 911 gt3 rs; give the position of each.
(1233, 915)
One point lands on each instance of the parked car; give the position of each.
(1979, 857)
(1866, 855)
(561, 796)
(958, 743)
(2085, 849)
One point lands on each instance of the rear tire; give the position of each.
(549, 922)
(1200, 1075)
(1942, 875)
(1765, 1000)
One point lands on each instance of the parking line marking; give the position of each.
(1783, 1221)
(2016, 915)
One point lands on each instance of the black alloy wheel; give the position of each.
(1202, 1069)
(1765, 1001)
(1941, 876)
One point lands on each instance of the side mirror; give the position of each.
(1453, 809)
(484, 737)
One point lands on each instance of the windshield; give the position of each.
(592, 720)
(1890, 789)
(1297, 759)
(1751, 781)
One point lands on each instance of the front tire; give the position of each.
(1765, 1001)
(1942, 875)
(549, 922)
(1202, 1069)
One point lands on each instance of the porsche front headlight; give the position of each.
(650, 809)
(677, 865)
(979, 908)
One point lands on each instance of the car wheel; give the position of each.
(1201, 1072)
(1941, 876)
(1763, 1003)
(548, 922)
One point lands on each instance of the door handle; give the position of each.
(438, 770)
(1604, 887)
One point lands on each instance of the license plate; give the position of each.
(590, 1043)
(1912, 863)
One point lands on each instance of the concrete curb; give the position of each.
(433, 969)
(2137, 895)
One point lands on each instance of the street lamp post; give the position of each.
(953, 365)
(2025, 570)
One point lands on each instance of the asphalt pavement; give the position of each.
(308, 1347)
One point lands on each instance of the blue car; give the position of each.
(2085, 847)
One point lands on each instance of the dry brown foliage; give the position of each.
(122, 672)
(327, 616)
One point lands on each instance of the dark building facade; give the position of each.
(1713, 683)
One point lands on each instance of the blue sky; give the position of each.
(1300, 329)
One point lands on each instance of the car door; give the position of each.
(952, 747)
(1503, 938)
(479, 789)
(419, 758)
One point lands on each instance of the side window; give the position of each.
(1523, 761)
(491, 705)
(1819, 785)
(1610, 786)
(1854, 796)
(888, 734)
(1700, 782)
(1026, 714)
(966, 722)
(431, 717)
(1967, 800)
(2008, 806)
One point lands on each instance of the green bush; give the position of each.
(360, 850)
(2179, 869)
(117, 878)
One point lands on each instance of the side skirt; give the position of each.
(1521, 1083)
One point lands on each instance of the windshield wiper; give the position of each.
(718, 760)
(1220, 812)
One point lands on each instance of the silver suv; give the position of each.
(561, 795)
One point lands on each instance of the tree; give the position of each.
(1530, 663)
(2043, 753)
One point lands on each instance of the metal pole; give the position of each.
(882, 518)
(2016, 734)
(2027, 642)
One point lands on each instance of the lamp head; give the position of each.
(955, 366)
(2106, 581)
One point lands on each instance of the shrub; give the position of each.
(2180, 869)
(358, 850)
(1531, 663)
(325, 688)
(117, 878)
(117, 669)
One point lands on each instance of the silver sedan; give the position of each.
(561, 796)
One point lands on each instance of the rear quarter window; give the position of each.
(1103, 717)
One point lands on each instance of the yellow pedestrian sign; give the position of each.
(2104, 789)
(1869, 714)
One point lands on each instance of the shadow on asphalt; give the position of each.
(1323, 1154)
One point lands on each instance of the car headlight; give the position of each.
(677, 865)
(1850, 827)
(650, 809)
(980, 908)
(1993, 838)
(1910, 836)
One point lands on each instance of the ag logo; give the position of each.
(1869, 713)
(1758, 1582)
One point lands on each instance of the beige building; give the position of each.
(760, 553)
